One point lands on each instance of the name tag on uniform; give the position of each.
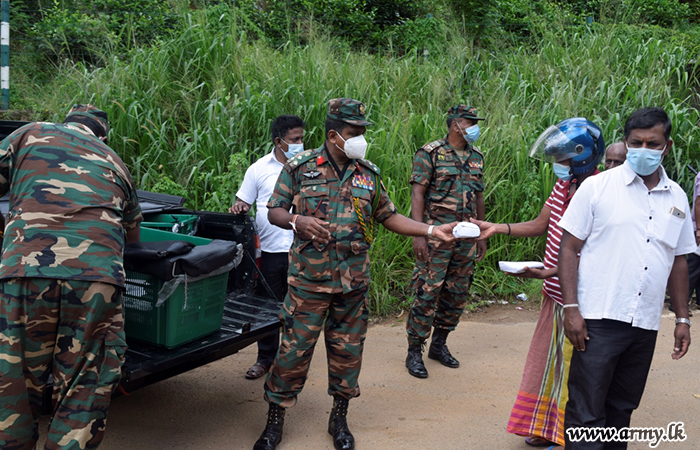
(677, 212)
(363, 181)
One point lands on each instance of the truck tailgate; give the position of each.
(246, 319)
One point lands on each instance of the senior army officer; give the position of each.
(337, 196)
(447, 185)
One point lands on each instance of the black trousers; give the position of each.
(274, 267)
(606, 381)
(694, 276)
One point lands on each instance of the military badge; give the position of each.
(311, 174)
(363, 181)
(476, 164)
(362, 109)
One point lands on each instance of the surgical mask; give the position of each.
(355, 148)
(644, 161)
(293, 149)
(562, 172)
(472, 133)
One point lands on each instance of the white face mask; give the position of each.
(355, 148)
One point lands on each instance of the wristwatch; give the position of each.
(683, 320)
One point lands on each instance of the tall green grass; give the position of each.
(182, 108)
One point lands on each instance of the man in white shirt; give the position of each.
(632, 227)
(287, 136)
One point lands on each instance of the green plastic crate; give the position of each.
(191, 312)
(177, 223)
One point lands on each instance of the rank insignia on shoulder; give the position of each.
(311, 174)
(363, 181)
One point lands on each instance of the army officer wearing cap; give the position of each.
(447, 186)
(337, 198)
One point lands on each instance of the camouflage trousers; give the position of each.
(343, 319)
(72, 330)
(441, 289)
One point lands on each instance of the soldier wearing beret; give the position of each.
(447, 186)
(337, 198)
(72, 207)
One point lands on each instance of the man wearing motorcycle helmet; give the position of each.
(574, 147)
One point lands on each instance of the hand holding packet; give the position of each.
(466, 230)
(519, 266)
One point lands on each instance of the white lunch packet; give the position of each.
(466, 230)
(519, 266)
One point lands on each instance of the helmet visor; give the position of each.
(555, 146)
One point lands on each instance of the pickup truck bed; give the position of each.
(247, 319)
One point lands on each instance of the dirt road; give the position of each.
(214, 407)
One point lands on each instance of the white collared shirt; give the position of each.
(257, 187)
(631, 239)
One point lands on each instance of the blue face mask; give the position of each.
(562, 172)
(293, 149)
(644, 161)
(471, 134)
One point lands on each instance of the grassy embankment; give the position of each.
(196, 109)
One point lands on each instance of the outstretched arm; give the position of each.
(532, 228)
(408, 227)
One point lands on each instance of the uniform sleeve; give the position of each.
(6, 163)
(422, 171)
(132, 209)
(385, 207)
(578, 218)
(283, 195)
(248, 192)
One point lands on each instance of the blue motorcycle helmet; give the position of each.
(577, 139)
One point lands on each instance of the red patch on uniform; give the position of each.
(320, 160)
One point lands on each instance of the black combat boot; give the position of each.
(438, 349)
(272, 435)
(338, 426)
(414, 361)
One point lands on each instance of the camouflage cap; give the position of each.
(91, 112)
(468, 112)
(347, 110)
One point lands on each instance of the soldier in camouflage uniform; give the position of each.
(447, 185)
(72, 207)
(336, 198)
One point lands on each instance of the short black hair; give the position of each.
(645, 118)
(449, 122)
(336, 125)
(94, 126)
(282, 124)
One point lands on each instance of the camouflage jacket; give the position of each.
(310, 184)
(451, 181)
(71, 200)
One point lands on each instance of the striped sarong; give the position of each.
(539, 407)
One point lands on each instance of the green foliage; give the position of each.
(72, 33)
(192, 111)
(366, 24)
(86, 31)
(658, 12)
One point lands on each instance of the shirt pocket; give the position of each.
(314, 200)
(364, 202)
(443, 196)
(670, 231)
